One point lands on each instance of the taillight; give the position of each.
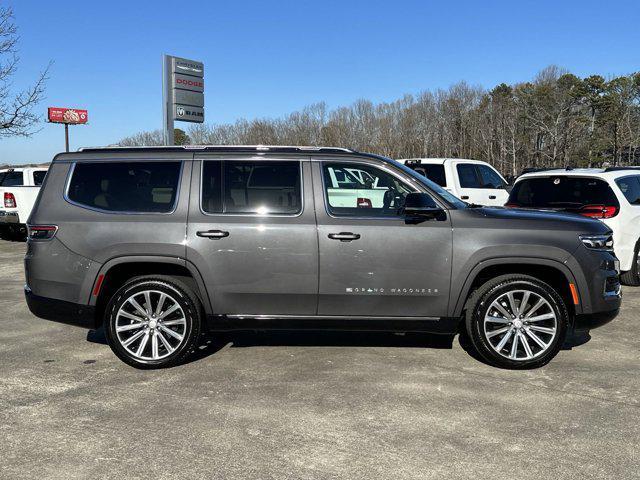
(9, 200)
(41, 232)
(364, 203)
(511, 205)
(599, 211)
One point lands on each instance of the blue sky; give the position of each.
(264, 59)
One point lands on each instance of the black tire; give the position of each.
(632, 277)
(480, 304)
(189, 308)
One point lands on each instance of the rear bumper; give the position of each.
(10, 218)
(60, 311)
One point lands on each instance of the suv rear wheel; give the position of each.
(632, 277)
(517, 321)
(153, 322)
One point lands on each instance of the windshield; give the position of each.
(437, 189)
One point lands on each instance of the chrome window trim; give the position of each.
(372, 164)
(257, 215)
(123, 212)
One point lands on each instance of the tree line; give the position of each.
(556, 120)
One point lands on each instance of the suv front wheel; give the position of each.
(517, 321)
(153, 322)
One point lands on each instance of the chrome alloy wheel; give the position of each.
(150, 325)
(520, 325)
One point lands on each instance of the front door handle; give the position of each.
(213, 234)
(344, 236)
(492, 197)
(464, 197)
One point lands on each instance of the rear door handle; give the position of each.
(344, 236)
(213, 234)
(492, 197)
(464, 197)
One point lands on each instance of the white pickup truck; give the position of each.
(473, 181)
(19, 188)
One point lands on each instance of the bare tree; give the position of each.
(17, 116)
(143, 139)
(555, 120)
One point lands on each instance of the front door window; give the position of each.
(360, 190)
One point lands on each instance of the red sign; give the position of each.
(67, 115)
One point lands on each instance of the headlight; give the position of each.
(598, 242)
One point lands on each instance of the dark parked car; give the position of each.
(161, 244)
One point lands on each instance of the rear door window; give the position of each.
(251, 187)
(562, 192)
(630, 187)
(434, 172)
(127, 187)
(468, 175)
(11, 179)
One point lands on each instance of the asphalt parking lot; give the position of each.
(311, 405)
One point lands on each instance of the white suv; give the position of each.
(611, 195)
(473, 181)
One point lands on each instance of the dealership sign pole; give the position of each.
(182, 93)
(67, 116)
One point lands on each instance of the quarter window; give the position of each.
(243, 187)
(361, 190)
(38, 177)
(630, 187)
(135, 187)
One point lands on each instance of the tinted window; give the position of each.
(11, 179)
(38, 177)
(435, 173)
(561, 192)
(353, 189)
(468, 176)
(126, 186)
(251, 187)
(630, 187)
(490, 178)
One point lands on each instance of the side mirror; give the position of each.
(420, 206)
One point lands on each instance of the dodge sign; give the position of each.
(67, 115)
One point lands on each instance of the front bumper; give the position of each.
(594, 320)
(60, 311)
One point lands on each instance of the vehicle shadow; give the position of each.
(214, 342)
(211, 343)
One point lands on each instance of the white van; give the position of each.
(473, 181)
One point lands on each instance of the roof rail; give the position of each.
(206, 148)
(620, 169)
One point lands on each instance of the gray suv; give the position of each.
(160, 245)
